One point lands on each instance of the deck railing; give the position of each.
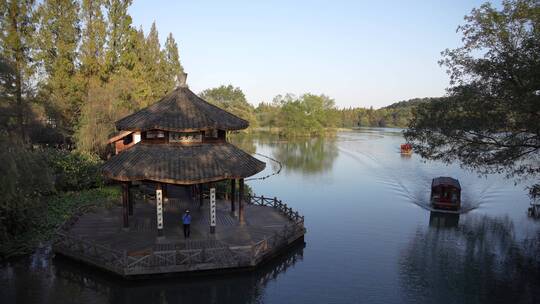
(292, 215)
(220, 256)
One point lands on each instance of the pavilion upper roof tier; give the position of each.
(184, 165)
(182, 111)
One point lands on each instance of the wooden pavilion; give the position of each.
(178, 149)
(180, 140)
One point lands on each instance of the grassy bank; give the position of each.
(55, 210)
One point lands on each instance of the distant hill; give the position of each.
(395, 115)
(411, 102)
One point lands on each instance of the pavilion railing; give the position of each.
(292, 215)
(206, 257)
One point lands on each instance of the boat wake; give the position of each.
(411, 180)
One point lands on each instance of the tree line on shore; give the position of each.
(310, 114)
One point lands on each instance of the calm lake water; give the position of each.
(371, 238)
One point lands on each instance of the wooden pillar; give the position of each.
(165, 192)
(130, 199)
(201, 188)
(125, 202)
(159, 209)
(233, 193)
(241, 201)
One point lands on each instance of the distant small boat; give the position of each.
(406, 149)
(445, 193)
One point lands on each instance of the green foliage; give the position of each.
(28, 181)
(154, 69)
(51, 212)
(93, 39)
(174, 68)
(16, 39)
(24, 179)
(56, 43)
(106, 103)
(60, 207)
(119, 32)
(233, 100)
(396, 115)
(312, 114)
(74, 67)
(267, 115)
(491, 118)
(73, 170)
(308, 114)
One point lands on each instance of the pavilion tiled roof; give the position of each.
(182, 164)
(181, 111)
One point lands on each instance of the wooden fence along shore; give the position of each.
(213, 255)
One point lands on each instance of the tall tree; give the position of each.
(57, 42)
(93, 41)
(16, 42)
(119, 33)
(157, 67)
(154, 69)
(174, 68)
(491, 118)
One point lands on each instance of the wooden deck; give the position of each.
(97, 237)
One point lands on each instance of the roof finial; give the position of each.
(182, 77)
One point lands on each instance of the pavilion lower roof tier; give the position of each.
(180, 164)
(182, 111)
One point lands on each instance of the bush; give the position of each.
(29, 210)
(24, 179)
(74, 170)
(52, 212)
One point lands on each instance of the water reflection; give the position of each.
(480, 259)
(307, 155)
(64, 281)
(443, 220)
(244, 141)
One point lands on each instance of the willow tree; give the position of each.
(490, 120)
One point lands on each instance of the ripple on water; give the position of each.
(410, 178)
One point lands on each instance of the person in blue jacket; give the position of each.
(186, 220)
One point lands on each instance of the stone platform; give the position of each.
(96, 237)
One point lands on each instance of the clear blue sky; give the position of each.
(361, 53)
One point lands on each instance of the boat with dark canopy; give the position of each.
(445, 193)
